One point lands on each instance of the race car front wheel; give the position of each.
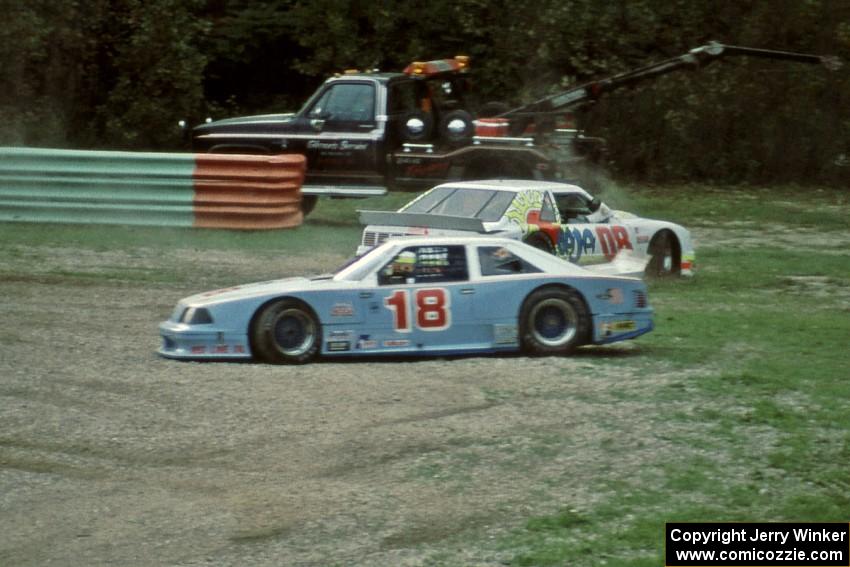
(664, 258)
(554, 321)
(286, 332)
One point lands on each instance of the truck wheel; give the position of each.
(541, 242)
(308, 203)
(553, 321)
(286, 332)
(456, 126)
(417, 126)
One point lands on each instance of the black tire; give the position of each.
(308, 203)
(553, 321)
(417, 136)
(541, 242)
(664, 256)
(286, 332)
(453, 119)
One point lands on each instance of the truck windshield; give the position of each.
(483, 204)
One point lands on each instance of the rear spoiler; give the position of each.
(424, 220)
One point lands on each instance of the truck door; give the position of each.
(343, 132)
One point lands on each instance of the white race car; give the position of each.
(562, 219)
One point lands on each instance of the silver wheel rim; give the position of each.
(294, 332)
(554, 322)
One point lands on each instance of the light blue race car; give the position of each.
(419, 295)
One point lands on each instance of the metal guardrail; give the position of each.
(155, 189)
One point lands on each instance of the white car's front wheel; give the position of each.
(663, 254)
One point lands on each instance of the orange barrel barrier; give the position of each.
(248, 192)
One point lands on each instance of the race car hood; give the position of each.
(260, 289)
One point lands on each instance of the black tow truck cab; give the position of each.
(365, 132)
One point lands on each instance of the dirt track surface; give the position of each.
(110, 455)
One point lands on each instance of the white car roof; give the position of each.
(515, 185)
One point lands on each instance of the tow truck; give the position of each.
(364, 132)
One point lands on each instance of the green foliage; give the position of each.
(95, 73)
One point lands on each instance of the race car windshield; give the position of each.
(356, 269)
(483, 204)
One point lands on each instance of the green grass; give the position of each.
(333, 226)
(758, 419)
(768, 373)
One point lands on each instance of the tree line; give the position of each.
(119, 74)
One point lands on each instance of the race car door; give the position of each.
(582, 241)
(423, 302)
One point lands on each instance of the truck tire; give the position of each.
(416, 126)
(456, 126)
(308, 203)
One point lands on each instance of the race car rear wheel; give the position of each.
(664, 260)
(286, 332)
(554, 321)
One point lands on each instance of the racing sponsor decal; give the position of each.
(342, 310)
(505, 334)
(341, 335)
(613, 239)
(239, 349)
(431, 309)
(339, 346)
(220, 349)
(200, 349)
(396, 343)
(613, 295)
(366, 342)
(576, 242)
(523, 204)
(619, 327)
(573, 243)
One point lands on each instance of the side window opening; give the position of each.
(499, 261)
(346, 102)
(547, 210)
(425, 264)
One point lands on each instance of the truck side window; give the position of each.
(346, 102)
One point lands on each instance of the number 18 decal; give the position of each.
(432, 309)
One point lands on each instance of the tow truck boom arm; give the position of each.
(695, 58)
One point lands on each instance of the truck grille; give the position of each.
(377, 238)
(640, 299)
